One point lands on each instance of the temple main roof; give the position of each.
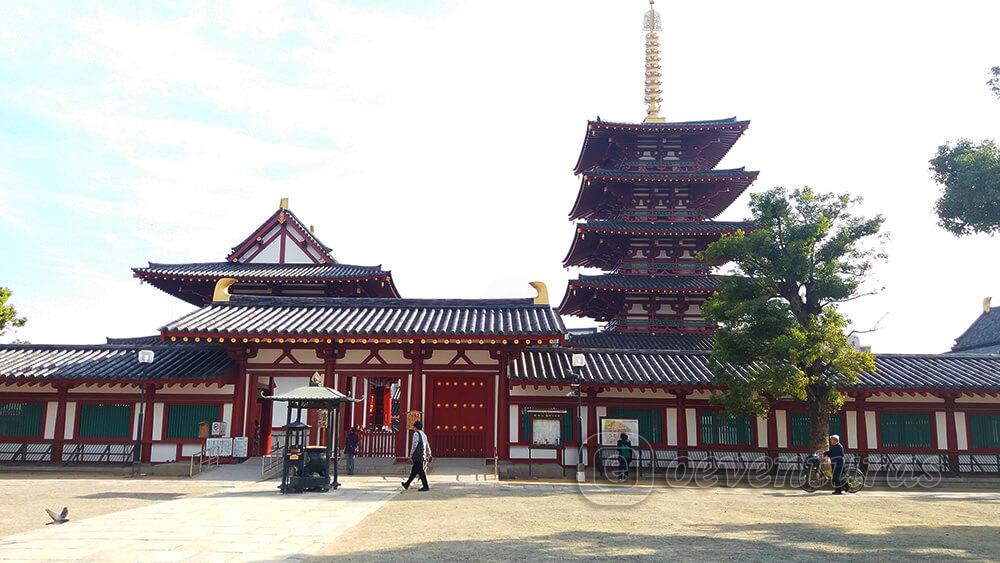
(982, 336)
(641, 341)
(315, 317)
(34, 363)
(647, 283)
(692, 369)
(256, 272)
(740, 173)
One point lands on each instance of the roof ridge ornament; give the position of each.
(652, 24)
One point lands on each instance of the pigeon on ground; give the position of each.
(60, 518)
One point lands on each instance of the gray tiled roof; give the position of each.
(708, 174)
(250, 271)
(984, 332)
(370, 317)
(641, 341)
(645, 367)
(663, 227)
(672, 124)
(44, 362)
(650, 283)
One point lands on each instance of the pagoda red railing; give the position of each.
(663, 267)
(667, 326)
(672, 215)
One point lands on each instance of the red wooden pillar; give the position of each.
(147, 424)
(860, 407)
(592, 426)
(344, 386)
(949, 417)
(503, 411)
(329, 355)
(399, 447)
(59, 438)
(239, 393)
(253, 407)
(772, 438)
(491, 415)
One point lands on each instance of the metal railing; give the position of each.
(206, 458)
(97, 453)
(270, 464)
(377, 443)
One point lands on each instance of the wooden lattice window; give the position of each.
(21, 419)
(911, 430)
(719, 429)
(183, 420)
(105, 420)
(984, 430)
(799, 421)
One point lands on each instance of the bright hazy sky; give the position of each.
(437, 138)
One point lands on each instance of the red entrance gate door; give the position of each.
(459, 417)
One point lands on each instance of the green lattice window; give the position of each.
(650, 422)
(911, 430)
(984, 430)
(183, 420)
(719, 429)
(799, 421)
(105, 420)
(566, 422)
(23, 420)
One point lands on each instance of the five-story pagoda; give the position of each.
(648, 195)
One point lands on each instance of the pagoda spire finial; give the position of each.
(651, 24)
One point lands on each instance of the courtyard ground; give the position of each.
(523, 522)
(465, 518)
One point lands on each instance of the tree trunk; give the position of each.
(818, 405)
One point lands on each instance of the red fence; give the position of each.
(377, 443)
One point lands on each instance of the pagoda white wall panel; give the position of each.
(70, 420)
(870, 427)
(761, 432)
(671, 426)
(852, 429)
(51, 408)
(940, 423)
(157, 422)
(781, 421)
(692, 427)
(161, 453)
(962, 441)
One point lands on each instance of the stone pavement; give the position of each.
(248, 522)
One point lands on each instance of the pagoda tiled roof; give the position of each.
(112, 362)
(644, 283)
(635, 227)
(910, 372)
(703, 124)
(640, 341)
(983, 333)
(291, 217)
(251, 272)
(317, 317)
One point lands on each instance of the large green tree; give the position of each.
(969, 175)
(8, 314)
(780, 334)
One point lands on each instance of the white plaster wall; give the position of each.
(196, 390)
(514, 422)
(903, 398)
(51, 408)
(700, 394)
(294, 253)
(227, 417)
(28, 388)
(190, 449)
(481, 357)
(583, 413)
(135, 421)
(635, 394)
(354, 357)
(157, 421)
(961, 435)
(692, 426)
(870, 427)
(940, 424)
(163, 452)
(975, 399)
(70, 420)
(781, 420)
(555, 391)
(306, 356)
(264, 356)
(281, 385)
(122, 389)
(761, 432)
(601, 412)
(671, 426)
(521, 452)
(852, 429)
(271, 253)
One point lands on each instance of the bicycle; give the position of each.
(814, 476)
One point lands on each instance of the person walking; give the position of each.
(351, 449)
(419, 454)
(836, 455)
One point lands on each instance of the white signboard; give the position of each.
(218, 429)
(612, 429)
(545, 431)
(219, 446)
(241, 446)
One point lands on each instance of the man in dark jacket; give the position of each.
(351, 449)
(420, 453)
(836, 455)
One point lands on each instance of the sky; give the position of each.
(437, 138)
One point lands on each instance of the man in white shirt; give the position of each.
(420, 451)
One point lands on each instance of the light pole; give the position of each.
(579, 361)
(145, 358)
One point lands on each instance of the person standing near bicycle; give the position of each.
(836, 455)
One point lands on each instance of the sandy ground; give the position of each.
(510, 522)
(25, 496)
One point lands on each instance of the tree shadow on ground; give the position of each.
(790, 540)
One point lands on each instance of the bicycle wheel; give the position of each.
(854, 479)
(810, 480)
